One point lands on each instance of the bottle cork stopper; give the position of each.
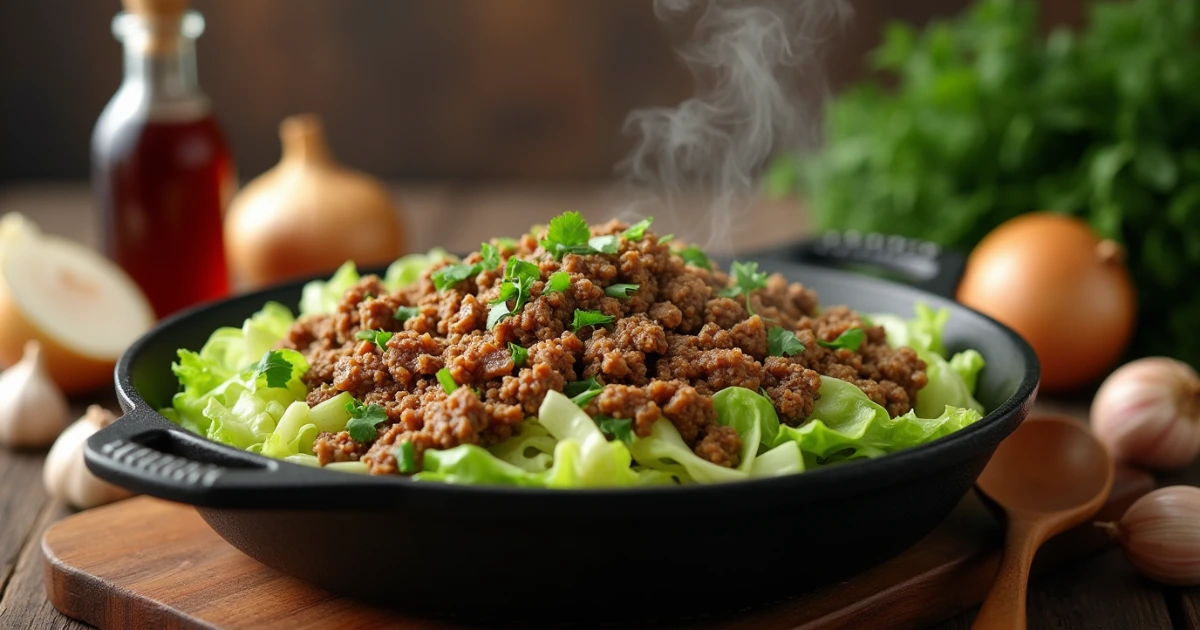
(156, 8)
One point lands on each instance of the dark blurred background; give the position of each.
(409, 89)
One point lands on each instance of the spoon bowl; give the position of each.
(1048, 476)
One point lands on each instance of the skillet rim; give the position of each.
(859, 475)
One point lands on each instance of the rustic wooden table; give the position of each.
(1101, 593)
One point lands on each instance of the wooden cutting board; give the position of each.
(148, 563)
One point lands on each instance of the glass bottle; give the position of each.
(162, 172)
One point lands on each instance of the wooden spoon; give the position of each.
(1050, 475)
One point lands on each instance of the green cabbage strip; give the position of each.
(408, 269)
(951, 383)
(322, 296)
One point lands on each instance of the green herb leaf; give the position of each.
(405, 313)
(608, 244)
(519, 354)
(497, 314)
(517, 269)
(450, 275)
(850, 339)
(637, 231)
(621, 291)
(558, 283)
(447, 381)
(363, 420)
(622, 429)
(491, 256)
(782, 342)
(406, 458)
(666, 238)
(582, 392)
(567, 233)
(505, 242)
(589, 318)
(508, 291)
(695, 257)
(747, 278)
(377, 337)
(276, 368)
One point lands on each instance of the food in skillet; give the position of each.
(575, 356)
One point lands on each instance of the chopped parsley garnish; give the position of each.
(558, 283)
(567, 233)
(497, 313)
(621, 291)
(636, 231)
(622, 429)
(608, 244)
(405, 313)
(851, 339)
(666, 238)
(377, 337)
(582, 392)
(506, 243)
(782, 342)
(517, 268)
(508, 291)
(695, 257)
(584, 319)
(363, 419)
(519, 276)
(447, 381)
(747, 278)
(406, 458)
(519, 354)
(450, 275)
(276, 368)
(491, 256)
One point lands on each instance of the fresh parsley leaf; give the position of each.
(729, 292)
(747, 278)
(508, 291)
(850, 339)
(363, 419)
(695, 257)
(517, 269)
(666, 238)
(782, 342)
(491, 256)
(567, 233)
(558, 283)
(497, 314)
(276, 368)
(450, 275)
(622, 429)
(608, 244)
(636, 231)
(519, 354)
(377, 337)
(575, 388)
(589, 318)
(405, 313)
(505, 242)
(447, 381)
(406, 458)
(621, 291)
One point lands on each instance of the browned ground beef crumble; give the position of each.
(674, 343)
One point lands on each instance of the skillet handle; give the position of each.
(148, 454)
(922, 264)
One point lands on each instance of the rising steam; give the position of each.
(759, 84)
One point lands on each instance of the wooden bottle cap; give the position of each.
(156, 8)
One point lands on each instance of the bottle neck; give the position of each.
(160, 63)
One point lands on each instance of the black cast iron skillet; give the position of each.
(541, 556)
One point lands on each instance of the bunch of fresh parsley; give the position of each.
(988, 119)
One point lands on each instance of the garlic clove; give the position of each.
(1160, 535)
(1148, 413)
(33, 410)
(66, 476)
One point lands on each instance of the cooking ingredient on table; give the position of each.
(1066, 291)
(33, 410)
(65, 475)
(1160, 534)
(988, 116)
(559, 359)
(1148, 413)
(162, 171)
(309, 214)
(80, 307)
(1050, 475)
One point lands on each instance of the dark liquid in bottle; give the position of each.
(162, 187)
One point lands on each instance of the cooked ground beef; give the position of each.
(673, 344)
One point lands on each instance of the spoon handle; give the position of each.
(1004, 608)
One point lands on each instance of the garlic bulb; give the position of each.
(33, 409)
(1160, 534)
(1148, 412)
(65, 475)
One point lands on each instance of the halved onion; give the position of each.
(83, 308)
